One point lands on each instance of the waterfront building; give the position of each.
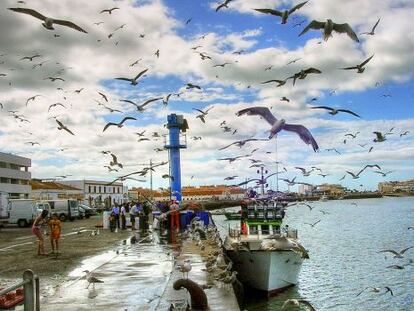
(99, 193)
(396, 186)
(330, 189)
(51, 190)
(15, 176)
(201, 193)
(305, 189)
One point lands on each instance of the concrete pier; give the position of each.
(219, 298)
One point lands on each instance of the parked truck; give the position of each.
(66, 209)
(23, 212)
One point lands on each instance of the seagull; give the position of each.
(297, 303)
(141, 108)
(185, 267)
(55, 105)
(231, 177)
(284, 98)
(356, 176)
(334, 111)
(204, 113)
(372, 32)
(303, 74)
(135, 63)
(221, 65)
(32, 143)
(279, 82)
(192, 86)
(134, 80)
(293, 61)
(383, 174)
(330, 26)
(91, 279)
(380, 137)
(53, 79)
(48, 22)
(404, 133)
(78, 91)
(333, 149)
(360, 68)
(285, 14)
(115, 161)
(141, 134)
(314, 224)
(157, 53)
(223, 5)
(279, 125)
(376, 290)
(241, 143)
(110, 169)
(31, 99)
(103, 96)
(304, 171)
(396, 254)
(232, 159)
(120, 124)
(109, 11)
(352, 135)
(290, 182)
(63, 127)
(30, 57)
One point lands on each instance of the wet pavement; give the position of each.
(219, 297)
(134, 275)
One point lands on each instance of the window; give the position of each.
(90, 189)
(3, 164)
(94, 189)
(4, 180)
(104, 189)
(119, 190)
(99, 189)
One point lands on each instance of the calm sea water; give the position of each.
(344, 256)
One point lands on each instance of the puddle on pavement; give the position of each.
(134, 276)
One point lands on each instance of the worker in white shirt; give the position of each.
(123, 217)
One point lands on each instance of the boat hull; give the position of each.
(267, 271)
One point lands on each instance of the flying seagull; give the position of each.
(192, 86)
(303, 74)
(55, 105)
(120, 124)
(334, 111)
(278, 125)
(103, 96)
(380, 137)
(115, 161)
(396, 254)
(333, 149)
(330, 26)
(356, 176)
(30, 57)
(232, 159)
(372, 32)
(285, 14)
(223, 5)
(32, 143)
(63, 127)
(360, 68)
(314, 224)
(304, 171)
(383, 174)
(134, 80)
(141, 107)
(241, 143)
(48, 21)
(31, 99)
(404, 133)
(376, 290)
(279, 82)
(109, 11)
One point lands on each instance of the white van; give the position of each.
(23, 212)
(66, 209)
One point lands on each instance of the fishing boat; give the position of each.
(266, 256)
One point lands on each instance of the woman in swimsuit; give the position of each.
(36, 230)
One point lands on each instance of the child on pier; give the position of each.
(55, 229)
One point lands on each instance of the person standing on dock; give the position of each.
(123, 216)
(55, 229)
(174, 215)
(115, 211)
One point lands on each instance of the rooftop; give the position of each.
(49, 185)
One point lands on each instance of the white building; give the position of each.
(98, 193)
(15, 176)
(305, 189)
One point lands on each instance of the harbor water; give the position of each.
(344, 255)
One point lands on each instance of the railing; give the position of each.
(30, 285)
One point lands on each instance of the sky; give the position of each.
(257, 48)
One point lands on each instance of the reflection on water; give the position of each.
(344, 256)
